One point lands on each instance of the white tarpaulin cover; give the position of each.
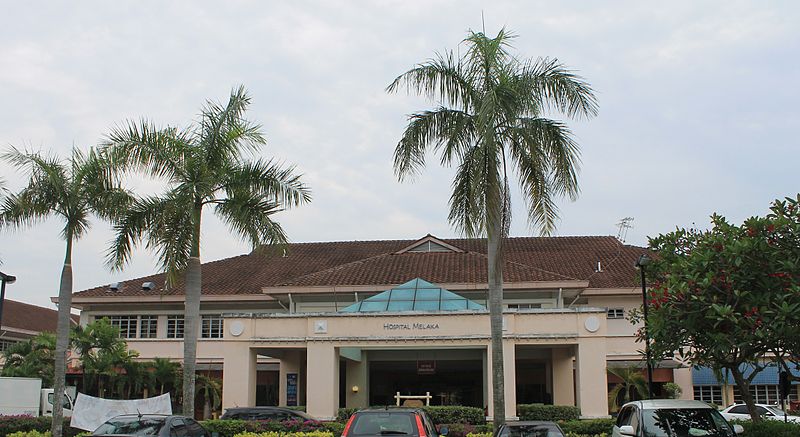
(91, 412)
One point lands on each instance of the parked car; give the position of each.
(672, 418)
(264, 413)
(530, 429)
(376, 422)
(149, 425)
(770, 412)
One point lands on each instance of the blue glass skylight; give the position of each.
(414, 295)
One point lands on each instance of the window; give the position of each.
(211, 326)
(174, 326)
(126, 325)
(524, 306)
(741, 409)
(6, 344)
(763, 394)
(616, 313)
(710, 394)
(148, 327)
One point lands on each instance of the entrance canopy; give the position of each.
(414, 295)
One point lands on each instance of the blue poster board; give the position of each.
(291, 389)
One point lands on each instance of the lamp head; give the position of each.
(8, 279)
(643, 261)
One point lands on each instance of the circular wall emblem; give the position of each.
(237, 328)
(592, 324)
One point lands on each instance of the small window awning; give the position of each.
(414, 295)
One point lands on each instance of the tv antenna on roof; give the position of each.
(622, 228)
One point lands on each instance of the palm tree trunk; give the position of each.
(192, 317)
(62, 341)
(495, 273)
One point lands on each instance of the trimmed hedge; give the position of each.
(30, 434)
(554, 413)
(290, 434)
(439, 415)
(230, 428)
(588, 427)
(770, 428)
(13, 424)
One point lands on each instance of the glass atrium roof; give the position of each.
(414, 295)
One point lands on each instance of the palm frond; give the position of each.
(248, 215)
(224, 132)
(439, 79)
(548, 83)
(141, 146)
(266, 179)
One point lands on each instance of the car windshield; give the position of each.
(389, 423)
(131, 426)
(685, 422)
(531, 431)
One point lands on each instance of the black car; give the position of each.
(151, 425)
(265, 413)
(530, 429)
(391, 421)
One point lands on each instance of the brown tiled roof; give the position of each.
(20, 315)
(527, 259)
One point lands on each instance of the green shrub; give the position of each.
(454, 414)
(12, 424)
(547, 412)
(343, 414)
(30, 434)
(479, 434)
(224, 428)
(486, 428)
(572, 434)
(289, 434)
(335, 428)
(770, 428)
(588, 427)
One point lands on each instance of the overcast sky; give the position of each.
(698, 107)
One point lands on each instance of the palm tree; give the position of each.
(33, 358)
(633, 384)
(203, 166)
(164, 372)
(490, 118)
(71, 190)
(103, 354)
(210, 391)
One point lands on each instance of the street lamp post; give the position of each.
(643, 261)
(4, 278)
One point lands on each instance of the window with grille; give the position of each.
(211, 326)
(127, 325)
(6, 344)
(174, 326)
(524, 306)
(764, 394)
(616, 313)
(148, 327)
(711, 394)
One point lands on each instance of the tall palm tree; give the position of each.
(164, 372)
(492, 117)
(210, 391)
(632, 386)
(71, 190)
(204, 167)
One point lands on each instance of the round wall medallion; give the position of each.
(592, 324)
(237, 328)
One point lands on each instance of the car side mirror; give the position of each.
(627, 430)
(443, 431)
(738, 429)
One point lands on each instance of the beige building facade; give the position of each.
(354, 324)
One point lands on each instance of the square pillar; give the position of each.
(510, 379)
(683, 377)
(290, 364)
(356, 376)
(592, 387)
(322, 376)
(238, 376)
(563, 376)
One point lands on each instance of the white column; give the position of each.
(563, 378)
(683, 377)
(592, 387)
(290, 363)
(510, 379)
(238, 376)
(322, 380)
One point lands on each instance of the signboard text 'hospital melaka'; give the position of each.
(409, 326)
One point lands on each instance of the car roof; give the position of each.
(531, 423)
(151, 416)
(390, 409)
(655, 404)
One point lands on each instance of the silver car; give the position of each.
(672, 418)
